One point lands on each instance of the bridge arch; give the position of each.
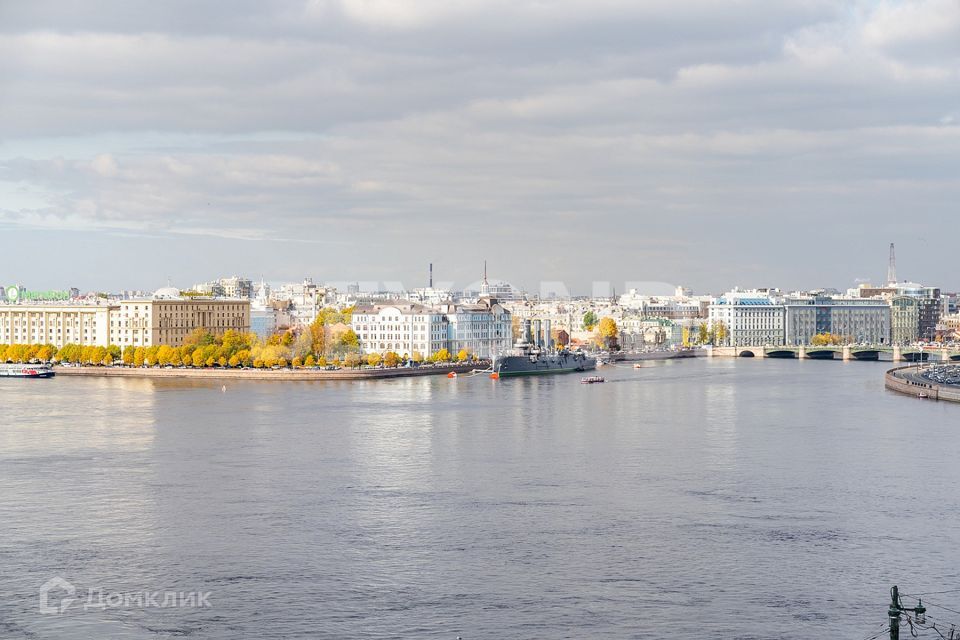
(746, 353)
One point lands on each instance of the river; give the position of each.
(686, 499)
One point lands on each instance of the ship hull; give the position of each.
(25, 371)
(510, 366)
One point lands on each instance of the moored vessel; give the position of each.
(533, 354)
(8, 370)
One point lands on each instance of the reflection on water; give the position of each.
(685, 499)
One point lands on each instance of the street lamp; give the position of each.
(897, 609)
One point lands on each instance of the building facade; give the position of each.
(55, 324)
(402, 327)
(146, 322)
(855, 320)
(747, 318)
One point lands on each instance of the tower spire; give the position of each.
(485, 287)
(892, 267)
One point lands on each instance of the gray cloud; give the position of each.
(572, 141)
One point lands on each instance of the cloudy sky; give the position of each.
(745, 142)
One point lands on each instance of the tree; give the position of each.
(139, 356)
(391, 359)
(128, 354)
(589, 320)
(351, 360)
(373, 359)
(608, 332)
(462, 355)
(318, 336)
(309, 361)
(441, 356)
(703, 333)
(417, 357)
(234, 361)
(720, 332)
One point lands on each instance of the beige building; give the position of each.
(161, 320)
(148, 322)
(55, 324)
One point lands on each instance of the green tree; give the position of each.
(589, 320)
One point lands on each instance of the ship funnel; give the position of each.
(546, 335)
(527, 338)
(536, 333)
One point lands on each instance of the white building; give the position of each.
(750, 318)
(402, 327)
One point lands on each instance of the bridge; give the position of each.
(846, 352)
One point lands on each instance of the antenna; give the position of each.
(892, 267)
(431, 275)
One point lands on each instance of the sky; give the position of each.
(703, 143)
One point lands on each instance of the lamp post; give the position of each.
(897, 609)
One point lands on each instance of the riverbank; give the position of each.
(264, 374)
(905, 380)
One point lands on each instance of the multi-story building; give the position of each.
(904, 319)
(402, 327)
(167, 319)
(483, 328)
(56, 324)
(164, 319)
(854, 319)
(748, 318)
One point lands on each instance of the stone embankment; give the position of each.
(265, 374)
(906, 380)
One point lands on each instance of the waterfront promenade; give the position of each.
(912, 382)
(266, 374)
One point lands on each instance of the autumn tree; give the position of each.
(391, 359)
(373, 359)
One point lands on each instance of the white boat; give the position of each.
(8, 370)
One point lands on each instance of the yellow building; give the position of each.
(168, 321)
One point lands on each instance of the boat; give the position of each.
(533, 354)
(637, 365)
(592, 380)
(26, 371)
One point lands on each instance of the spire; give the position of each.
(892, 267)
(485, 287)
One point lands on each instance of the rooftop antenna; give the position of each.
(431, 275)
(892, 267)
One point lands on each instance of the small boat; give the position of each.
(26, 371)
(592, 380)
(923, 394)
(637, 365)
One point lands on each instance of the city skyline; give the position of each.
(708, 145)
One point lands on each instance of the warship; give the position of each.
(533, 354)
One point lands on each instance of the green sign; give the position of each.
(14, 294)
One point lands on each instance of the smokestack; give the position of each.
(536, 333)
(431, 275)
(527, 338)
(546, 335)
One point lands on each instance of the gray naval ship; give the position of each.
(533, 354)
